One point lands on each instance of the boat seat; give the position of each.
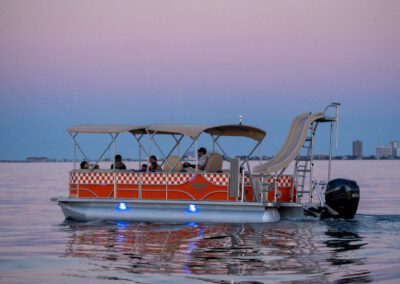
(173, 164)
(214, 163)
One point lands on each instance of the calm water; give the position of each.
(38, 246)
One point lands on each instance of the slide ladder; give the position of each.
(304, 163)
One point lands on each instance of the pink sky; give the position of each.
(291, 52)
(219, 40)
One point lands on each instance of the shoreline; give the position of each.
(339, 158)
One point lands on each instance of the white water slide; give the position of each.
(291, 148)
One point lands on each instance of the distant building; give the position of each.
(321, 157)
(37, 159)
(395, 147)
(357, 149)
(384, 151)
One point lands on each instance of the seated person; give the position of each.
(84, 165)
(143, 169)
(202, 160)
(154, 166)
(119, 165)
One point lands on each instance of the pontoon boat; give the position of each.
(237, 193)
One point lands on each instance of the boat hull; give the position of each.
(88, 209)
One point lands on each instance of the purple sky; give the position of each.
(70, 62)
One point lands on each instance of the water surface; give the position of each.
(38, 246)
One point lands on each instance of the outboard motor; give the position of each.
(341, 198)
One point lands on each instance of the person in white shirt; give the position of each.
(202, 160)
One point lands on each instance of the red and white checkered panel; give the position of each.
(179, 178)
(164, 178)
(217, 179)
(247, 180)
(91, 178)
(153, 179)
(128, 178)
(283, 181)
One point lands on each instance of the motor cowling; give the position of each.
(341, 198)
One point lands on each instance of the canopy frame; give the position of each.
(77, 146)
(178, 132)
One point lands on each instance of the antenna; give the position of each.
(241, 119)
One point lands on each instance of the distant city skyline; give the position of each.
(392, 149)
(386, 151)
(208, 62)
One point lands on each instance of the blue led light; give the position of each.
(121, 225)
(192, 208)
(122, 206)
(193, 224)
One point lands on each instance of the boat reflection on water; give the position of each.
(313, 250)
(343, 242)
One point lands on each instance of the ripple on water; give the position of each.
(37, 246)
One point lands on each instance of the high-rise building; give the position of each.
(357, 149)
(395, 147)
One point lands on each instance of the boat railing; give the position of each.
(142, 185)
(319, 187)
(269, 189)
(182, 185)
